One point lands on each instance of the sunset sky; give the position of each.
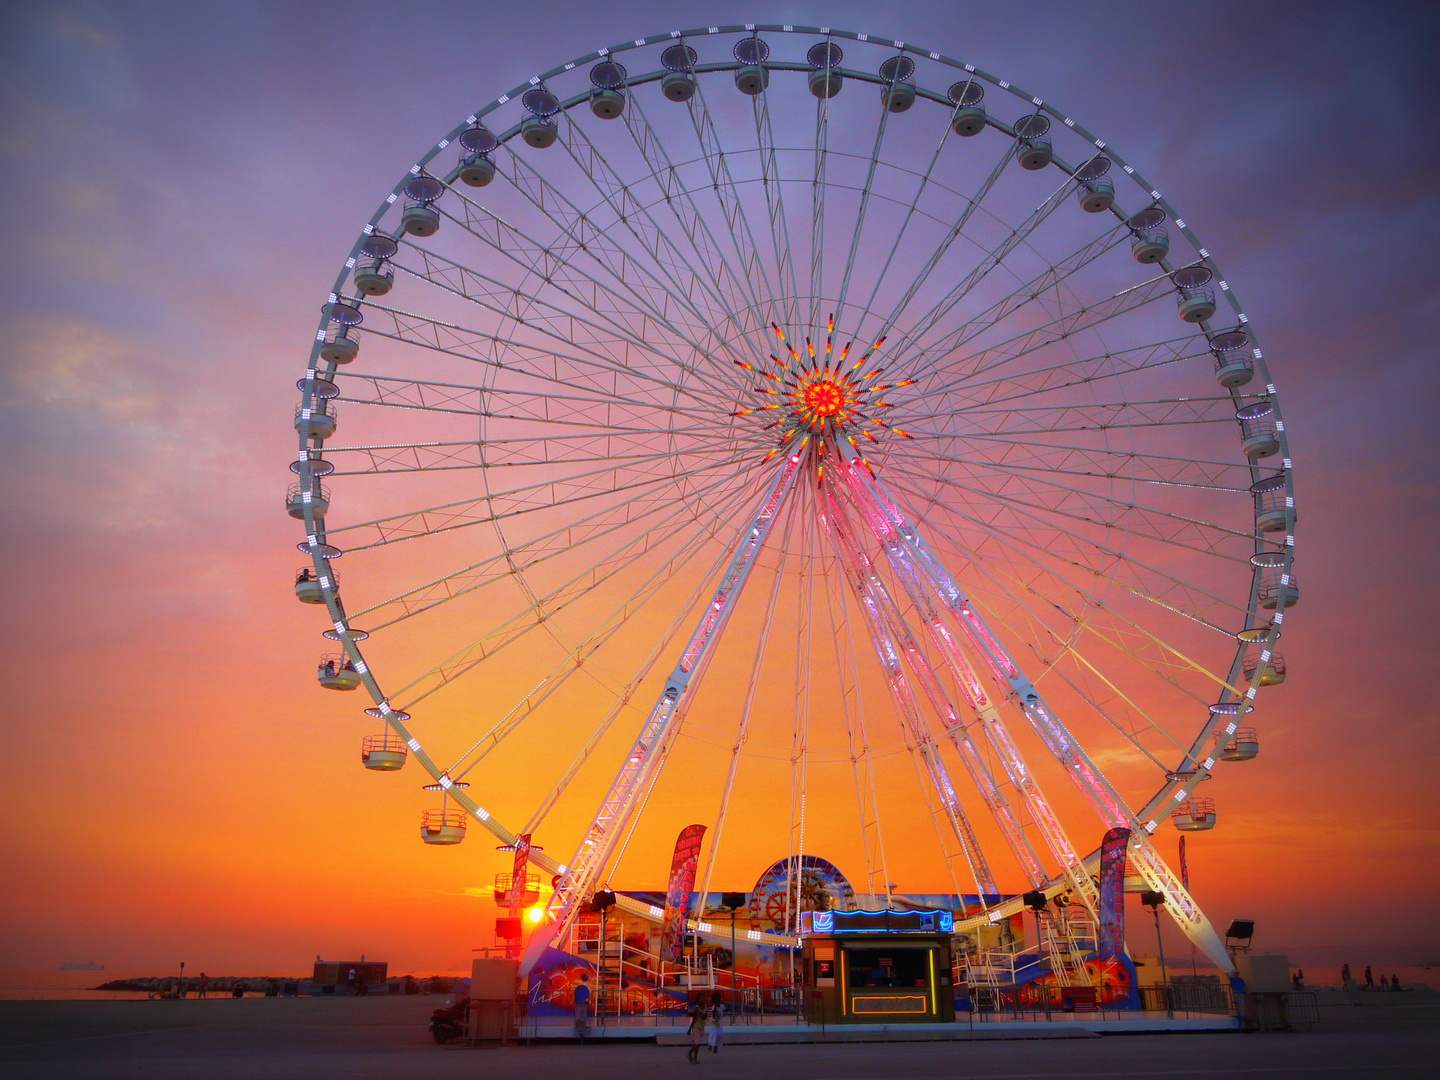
(183, 182)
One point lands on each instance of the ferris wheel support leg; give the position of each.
(890, 523)
(647, 755)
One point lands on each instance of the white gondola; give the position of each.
(374, 279)
(1194, 815)
(1274, 592)
(1258, 435)
(315, 496)
(315, 421)
(1244, 745)
(1097, 196)
(442, 826)
(1271, 670)
(969, 117)
(383, 753)
(307, 586)
(1033, 149)
(1233, 369)
(752, 76)
(1151, 241)
(607, 98)
(476, 167)
(477, 170)
(678, 82)
(1274, 508)
(340, 349)
(1195, 295)
(420, 218)
(336, 672)
(824, 79)
(898, 93)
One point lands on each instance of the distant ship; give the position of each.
(76, 965)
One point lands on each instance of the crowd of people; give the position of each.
(1349, 982)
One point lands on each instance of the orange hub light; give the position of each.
(824, 398)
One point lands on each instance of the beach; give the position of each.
(222, 1038)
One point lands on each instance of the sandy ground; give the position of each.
(223, 1038)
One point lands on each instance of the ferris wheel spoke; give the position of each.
(447, 457)
(542, 317)
(1186, 531)
(950, 373)
(735, 294)
(993, 259)
(533, 552)
(1168, 470)
(549, 405)
(1114, 560)
(779, 225)
(1085, 371)
(528, 360)
(732, 208)
(579, 586)
(818, 171)
(481, 510)
(1086, 416)
(865, 195)
(579, 234)
(658, 244)
(948, 236)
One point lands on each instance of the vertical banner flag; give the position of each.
(1111, 937)
(677, 895)
(1184, 866)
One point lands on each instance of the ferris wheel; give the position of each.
(810, 432)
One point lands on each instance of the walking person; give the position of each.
(204, 985)
(1346, 982)
(696, 1030)
(582, 1008)
(1369, 978)
(717, 1018)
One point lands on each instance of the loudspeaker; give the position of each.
(1152, 899)
(732, 900)
(1034, 900)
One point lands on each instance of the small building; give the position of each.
(868, 967)
(333, 976)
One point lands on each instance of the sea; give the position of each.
(18, 984)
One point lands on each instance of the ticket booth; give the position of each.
(878, 967)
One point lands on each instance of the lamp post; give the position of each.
(604, 899)
(1155, 901)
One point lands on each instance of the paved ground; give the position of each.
(220, 1040)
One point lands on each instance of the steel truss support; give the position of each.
(891, 525)
(647, 756)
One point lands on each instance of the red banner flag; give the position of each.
(1184, 866)
(1111, 935)
(677, 896)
